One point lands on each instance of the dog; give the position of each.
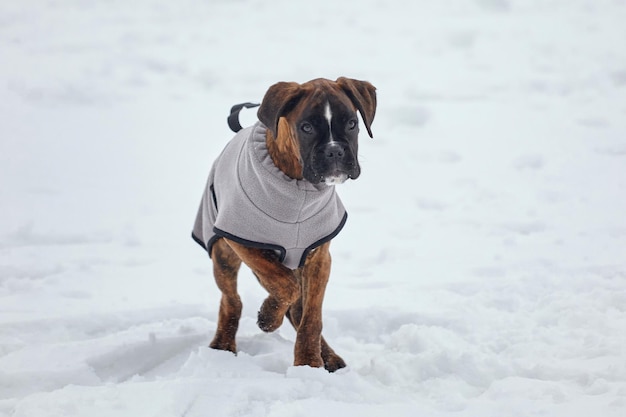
(270, 203)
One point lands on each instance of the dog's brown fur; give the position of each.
(295, 294)
(284, 150)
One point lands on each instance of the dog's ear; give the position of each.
(363, 96)
(279, 100)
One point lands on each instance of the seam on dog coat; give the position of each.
(250, 201)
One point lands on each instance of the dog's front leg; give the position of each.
(332, 361)
(313, 279)
(276, 278)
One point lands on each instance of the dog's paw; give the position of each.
(219, 344)
(333, 363)
(270, 315)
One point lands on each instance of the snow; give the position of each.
(482, 271)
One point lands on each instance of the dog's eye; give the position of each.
(351, 125)
(306, 127)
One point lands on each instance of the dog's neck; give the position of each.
(284, 150)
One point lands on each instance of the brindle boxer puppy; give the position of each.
(270, 203)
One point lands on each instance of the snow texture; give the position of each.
(482, 271)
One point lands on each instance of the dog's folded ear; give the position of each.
(363, 96)
(278, 101)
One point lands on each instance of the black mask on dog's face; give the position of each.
(328, 138)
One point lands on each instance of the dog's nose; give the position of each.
(334, 151)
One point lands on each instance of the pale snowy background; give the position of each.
(482, 271)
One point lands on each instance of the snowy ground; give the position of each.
(482, 271)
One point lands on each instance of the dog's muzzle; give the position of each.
(335, 164)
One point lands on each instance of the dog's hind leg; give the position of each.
(226, 265)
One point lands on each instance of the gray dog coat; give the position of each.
(250, 201)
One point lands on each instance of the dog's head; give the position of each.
(318, 122)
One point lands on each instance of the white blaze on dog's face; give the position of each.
(339, 177)
(328, 114)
